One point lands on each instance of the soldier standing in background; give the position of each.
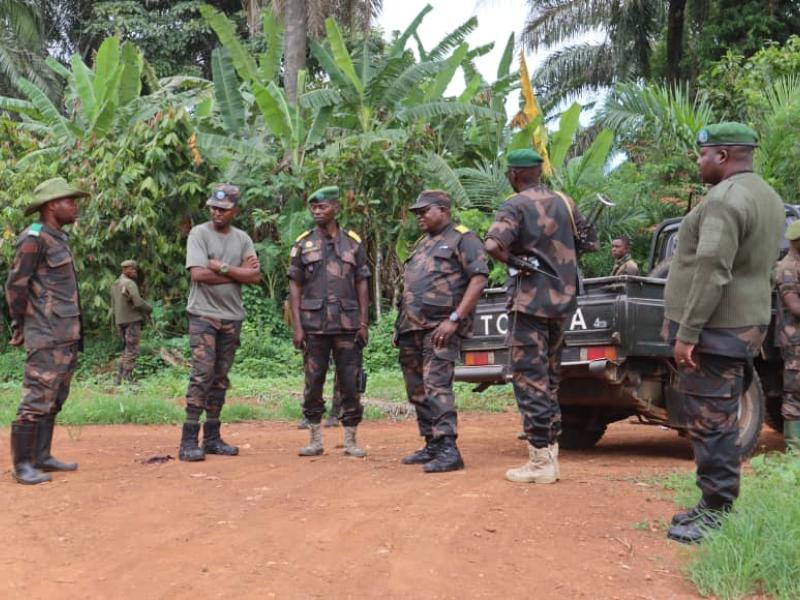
(538, 228)
(129, 313)
(623, 263)
(717, 309)
(329, 299)
(442, 282)
(220, 259)
(787, 335)
(43, 301)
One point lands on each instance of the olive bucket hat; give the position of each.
(53, 189)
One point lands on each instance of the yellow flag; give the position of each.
(532, 111)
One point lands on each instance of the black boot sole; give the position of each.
(444, 469)
(30, 482)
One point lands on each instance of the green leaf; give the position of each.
(438, 168)
(453, 39)
(226, 90)
(561, 140)
(83, 81)
(329, 65)
(50, 114)
(57, 67)
(446, 73)
(204, 108)
(106, 64)
(430, 110)
(19, 107)
(269, 62)
(275, 110)
(400, 43)
(317, 99)
(104, 119)
(595, 158)
(523, 138)
(407, 81)
(504, 66)
(341, 55)
(318, 126)
(472, 88)
(226, 32)
(130, 85)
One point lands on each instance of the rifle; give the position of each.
(527, 266)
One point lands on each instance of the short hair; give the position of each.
(624, 239)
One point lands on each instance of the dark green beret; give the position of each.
(53, 189)
(523, 158)
(325, 194)
(793, 231)
(727, 134)
(429, 197)
(128, 263)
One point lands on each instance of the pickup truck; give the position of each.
(614, 363)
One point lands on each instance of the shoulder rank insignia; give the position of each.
(354, 235)
(461, 229)
(35, 229)
(304, 235)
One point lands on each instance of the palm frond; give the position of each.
(553, 21)
(572, 71)
(431, 110)
(453, 39)
(440, 172)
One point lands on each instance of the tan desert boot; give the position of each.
(540, 467)
(350, 445)
(314, 447)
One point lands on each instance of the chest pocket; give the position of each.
(443, 260)
(311, 260)
(60, 274)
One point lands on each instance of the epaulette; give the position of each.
(354, 235)
(303, 235)
(35, 229)
(461, 229)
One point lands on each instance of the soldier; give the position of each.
(329, 298)
(442, 282)
(623, 263)
(220, 259)
(787, 335)
(129, 312)
(43, 302)
(717, 308)
(537, 229)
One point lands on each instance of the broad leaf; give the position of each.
(226, 90)
(341, 55)
(446, 73)
(472, 88)
(400, 43)
(130, 85)
(106, 64)
(269, 62)
(57, 67)
(439, 169)
(226, 32)
(318, 126)
(561, 140)
(275, 110)
(595, 158)
(47, 109)
(83, 81)
(329, 65)
(430, 110)
(504, 66)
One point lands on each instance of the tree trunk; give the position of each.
(377, 276)
(295, 40)
(675, 23)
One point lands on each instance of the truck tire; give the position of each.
(751, 417)
(575, 437)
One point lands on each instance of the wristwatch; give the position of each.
(455, 317)
(223, 269)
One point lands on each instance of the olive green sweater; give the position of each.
(721, 273)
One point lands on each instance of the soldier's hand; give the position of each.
(362, 335)
(214, 264)
(299, 338)
(251, 262)
(18, 338)
(683, 355)
(443, 332)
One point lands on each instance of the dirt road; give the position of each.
(269, 524)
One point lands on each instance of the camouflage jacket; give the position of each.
(787, 279)
(536, 223)
(328, 269)
(42, 289)
(435, 277)
(625, 266)
(126, 302)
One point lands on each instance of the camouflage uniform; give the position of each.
(625, 266)
(43, 301)
(435, 277)
(129, 312)
(535, 223)
(787, 334)
(327, 269)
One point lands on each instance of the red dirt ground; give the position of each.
(269, 524)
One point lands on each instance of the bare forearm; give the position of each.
(295, 290)
(245, 275)
(362, 290)
(209, 277)
(496, 251)
(472, 295)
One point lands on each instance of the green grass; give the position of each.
(757, 549)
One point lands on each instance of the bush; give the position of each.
(380, 353)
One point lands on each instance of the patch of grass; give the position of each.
(682, 485)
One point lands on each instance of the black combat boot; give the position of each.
(686, 516)
(44, 440)
(213, 443)
(189, 450)
(447, 458)
(423, 455)
(22, 444)
(693, 531)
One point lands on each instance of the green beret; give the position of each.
(793, 231)
(727, 134)
(53, 189)
(128, 263)
(325, 194)
(523, 158)
(429, 197)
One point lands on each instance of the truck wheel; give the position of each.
(751, 417)
(579, 438)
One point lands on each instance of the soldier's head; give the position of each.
(620, 247)
(432, 210)
(223, 205)
(725, 149)
(524, 168)
(129, 268)
(55, 199)
(324, 205)
(793, 235)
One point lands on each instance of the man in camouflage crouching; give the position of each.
(220, 259)
(442, 282)
(130, 310)
(42, 298)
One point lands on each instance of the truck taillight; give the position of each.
(599, 353)
(478, 359)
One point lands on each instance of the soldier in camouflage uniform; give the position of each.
(717, 307)
(220, 259)
(329, 299)
(129, 312)
(537, 225)
(43, 302)
(787, 335)
(623, 263)
(442, 282)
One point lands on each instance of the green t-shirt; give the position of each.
(223, 301)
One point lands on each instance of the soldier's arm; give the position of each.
(476, 267)
(587, 236)
(632, 269)
(792, 301)
(132, 292)
(17, 285)
(295, 292)
(502, 233)
(788, 288)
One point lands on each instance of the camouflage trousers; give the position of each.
(347, 359)
(45, 387)
(535, 349)
(428, 373)
(131, 334)
(711, 401)
(790, 409)
(213, 343)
